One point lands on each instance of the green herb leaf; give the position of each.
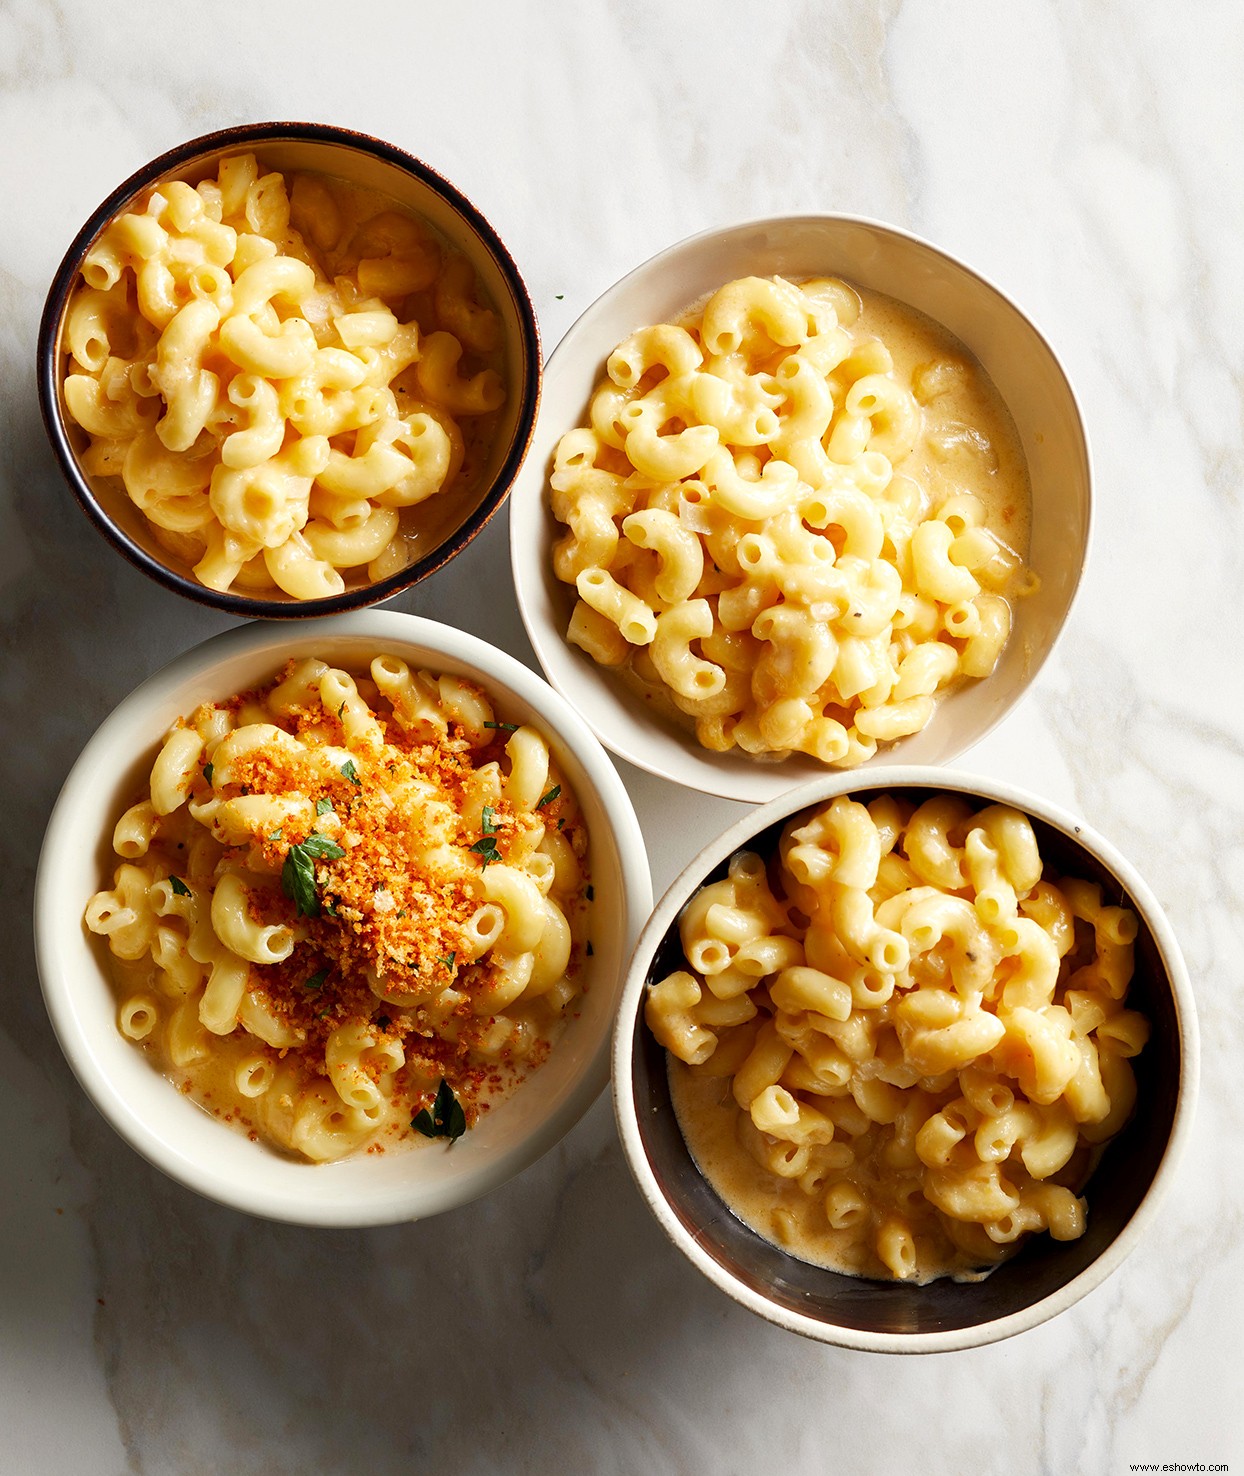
(323, 807)
(561, 296)
(276, 834)
(503, 727)
(448, 959)
(490, 825)
(446, 1119)
(180, 889)
(550, 797)
(208, 771)
(316, 979)
(298, 872)
(350, 772)
(486, 849)
(342, 708)
(320, 846)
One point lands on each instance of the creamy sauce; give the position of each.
(210, 1080)
(969, 442)
(781, 1212)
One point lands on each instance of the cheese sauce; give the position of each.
(782, 1213)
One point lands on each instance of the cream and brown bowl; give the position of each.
(1046, 1276)
(374, 165)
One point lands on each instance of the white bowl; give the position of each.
(1046, 1276)
(179, 1137)
(1013, 352)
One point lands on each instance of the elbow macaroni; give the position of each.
(902, 1056)
(342, 889)
(247, 357)
(772, 479)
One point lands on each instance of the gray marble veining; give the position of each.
(1084, 155)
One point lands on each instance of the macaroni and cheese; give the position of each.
(347, 906)
(286, 376)
(897, 1048)
(794, 518)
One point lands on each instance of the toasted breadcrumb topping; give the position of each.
(388, 947)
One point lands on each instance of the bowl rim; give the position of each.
(319, 1207)
(658, 754)
(48, 369)
(975, 785)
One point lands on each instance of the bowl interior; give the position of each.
(1017, 359)
(449, 522)
(1039, 1270)
(169, 1128)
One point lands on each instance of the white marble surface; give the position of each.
(1083, 153)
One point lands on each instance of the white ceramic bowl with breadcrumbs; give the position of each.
(189, 1144)
(884, 259)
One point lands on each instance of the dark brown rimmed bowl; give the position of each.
(375, 165)
(1045, 1277)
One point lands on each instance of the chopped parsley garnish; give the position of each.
(550, 797)
(561, 296)
(445, 1120)
(486, 849)
(298, 872)
(350, 772)
(276, 834)
(323, 806)
(490, 824)
(180, 889)
(503, 727)
(591, 893)
(448, 959)
(208, 771)
(316, 979)
(342, 708)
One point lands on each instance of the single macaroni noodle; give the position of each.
(342, 895)
(287, 376)
(898, 1047)
(795, 518)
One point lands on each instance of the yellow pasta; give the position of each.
(924, 1078)
(354, 905)
(794, 519)
(288, 376)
